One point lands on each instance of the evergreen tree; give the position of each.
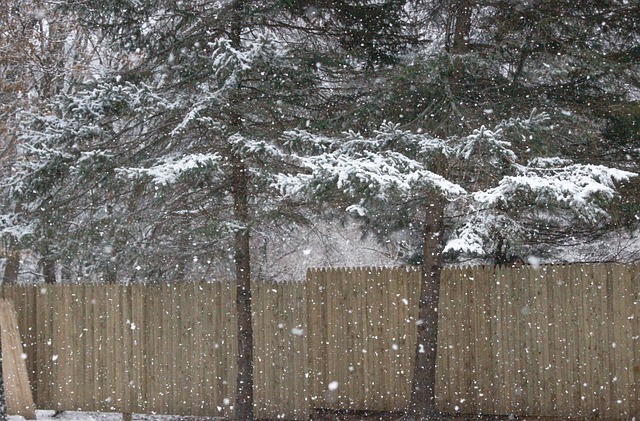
(43, 53)
(189, 127)
(399, 180)
(489, 61)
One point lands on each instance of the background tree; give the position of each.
(44, 52)
(488, 61)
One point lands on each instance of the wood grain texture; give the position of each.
(18, 391)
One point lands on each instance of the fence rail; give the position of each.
(556, 341)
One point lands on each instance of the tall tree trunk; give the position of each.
(110, 275)
(180, 275)
(49, 269)
(119, 235)
(423, 404)
(12, 267)
(244, 391)
(47, 263)
(244, 387)
(462, 26)
(47, 238)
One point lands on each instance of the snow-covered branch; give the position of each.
(169, 170)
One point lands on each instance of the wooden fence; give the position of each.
(557, 341)
(362, 337)
(160, 349)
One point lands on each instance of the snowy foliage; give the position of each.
(131, 149)
(401, 172)
(74, 136)
(371, 168)
(10, 225)
(572, 187)
(484, 140)
(228, 69)
(169, 169)
(149, 166)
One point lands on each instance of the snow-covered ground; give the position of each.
(105, 416)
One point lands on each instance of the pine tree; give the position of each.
(43, 53)
(169, 155)
(399, 180)
(489, 61)
(189, 127)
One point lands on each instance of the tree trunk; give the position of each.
(49, 269)
(423, 404)
(462, 27)
(244, 391)
(110, 275)
(12, 266)
(240, 192)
